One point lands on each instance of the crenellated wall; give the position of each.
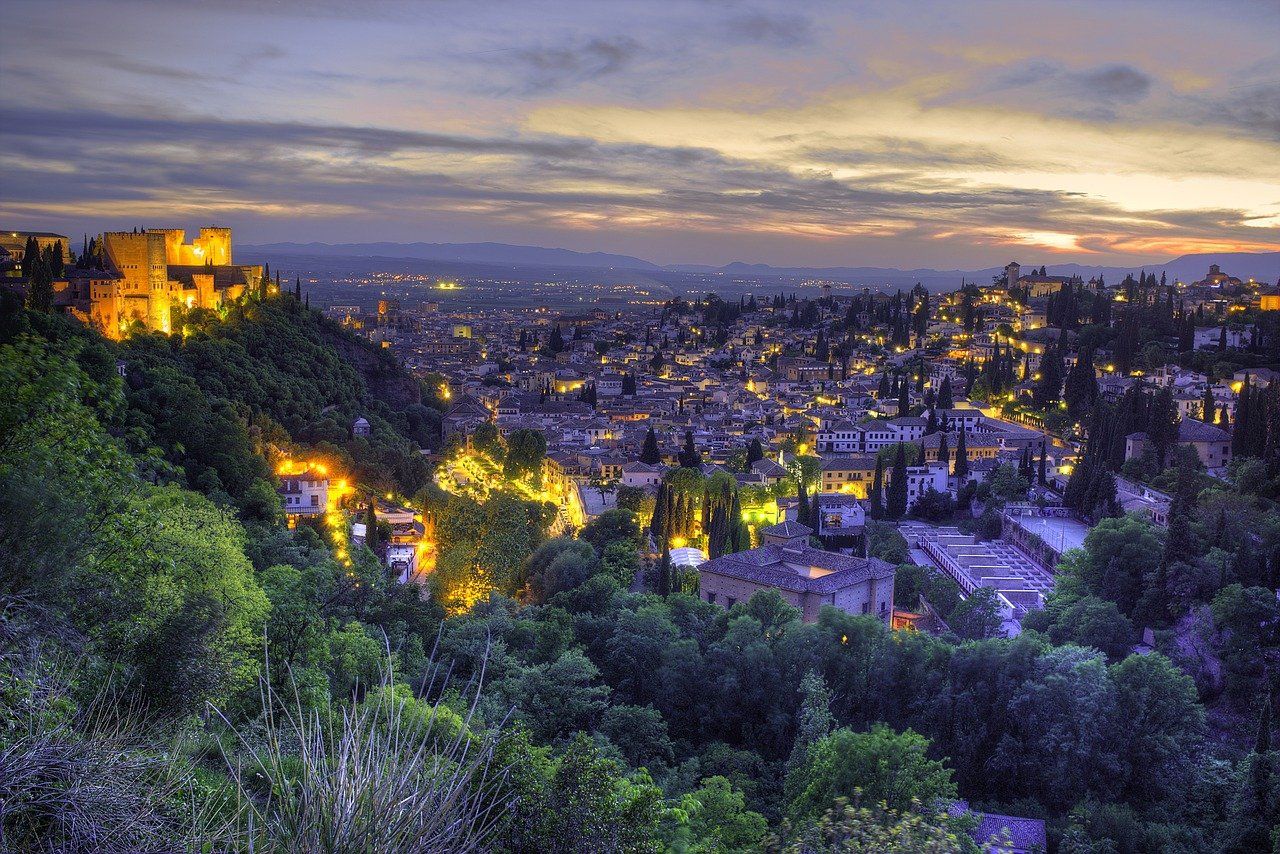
(145, 291)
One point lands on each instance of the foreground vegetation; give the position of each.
(181, 670)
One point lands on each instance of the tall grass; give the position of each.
(390, 774)
(85, 778)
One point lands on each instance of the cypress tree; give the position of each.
(1041, 475)
(649, 453)
(40, 286)
(689, 456)
(1208, 412)
(661, 518)
(961, 469)
(944, 395)
(754, 453)
(1162, 424)
(30, 257)
(944, 452)
(1049, 389)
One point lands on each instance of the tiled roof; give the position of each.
(786, 529)
(772, 566)
(769, 468)
(1191, 430)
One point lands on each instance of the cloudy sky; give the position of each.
(894, 133)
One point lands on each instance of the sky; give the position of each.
(910, 134)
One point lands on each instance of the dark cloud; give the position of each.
(776, 30)
(230, 167)
(1091, 93)
(1116, 83)
(547, 68)
(895, 152)
(1253, 108)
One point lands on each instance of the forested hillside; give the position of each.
(180, 668)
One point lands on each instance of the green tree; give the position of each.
(640, 734)
(718, 821)
(609, 527)
(649, 453)
(595, 808)
(554, 699)
(961, 467)
(620, 561)
(813, 719)
(978, 616)
(885, 766)
(487, 440)
(1118, 556)
(558, 565)
(1247, 619)
(1161, 723)
(851, 827)
(526, 449)
(1084, 621)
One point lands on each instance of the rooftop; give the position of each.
(802, 569)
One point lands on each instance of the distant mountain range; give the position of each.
(1264, 266)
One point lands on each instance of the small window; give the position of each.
(866, 607)
(732, 601)
(315, 500)
(711, 597)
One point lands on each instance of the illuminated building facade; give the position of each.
(148, 277)
(304, 492)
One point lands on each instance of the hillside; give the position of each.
(184, 668)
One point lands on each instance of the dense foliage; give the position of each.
(144, 561)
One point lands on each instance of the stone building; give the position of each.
(805, 577)
(1212, 444)
(150, 277)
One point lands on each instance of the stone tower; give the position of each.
(141, 259)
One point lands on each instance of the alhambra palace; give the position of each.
(148, 277)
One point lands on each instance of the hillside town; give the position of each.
(967, 421)
(989, 384)
(1032, 456)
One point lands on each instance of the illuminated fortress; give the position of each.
(149, 277)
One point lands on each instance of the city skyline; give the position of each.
(1104, 133)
